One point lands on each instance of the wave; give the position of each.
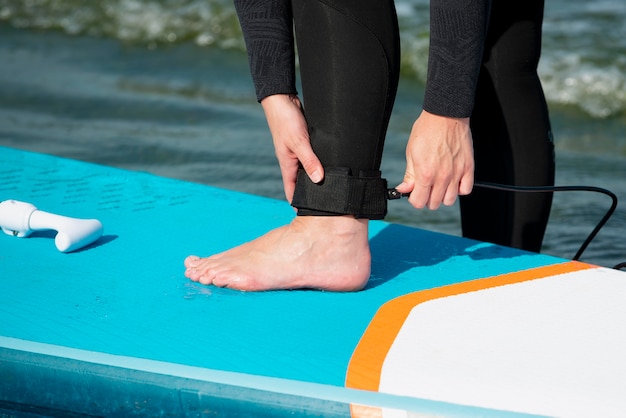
(153, 23)
(583, 64)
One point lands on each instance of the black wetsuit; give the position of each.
(512, 135)
(349, 54)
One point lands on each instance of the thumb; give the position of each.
(405, 187)
(311, 164)
(408, 182)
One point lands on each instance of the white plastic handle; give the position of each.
(20, 219)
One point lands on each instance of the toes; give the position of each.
(222, 280)
(191, 261)
(195, 275)
(238, 281)
(207, 277)
(192, 274)
(207, 272)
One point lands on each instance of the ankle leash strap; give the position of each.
(341, 193)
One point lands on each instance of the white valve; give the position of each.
(20, 219)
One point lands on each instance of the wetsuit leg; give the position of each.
(512, 135)
(349, 54)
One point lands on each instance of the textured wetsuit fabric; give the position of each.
(457, 35)
(268, 32)
(349, 54)
(458, 30)
(509, 121)
(511, 131)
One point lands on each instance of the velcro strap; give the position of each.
(343, 194)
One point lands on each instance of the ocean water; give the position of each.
(163, 86)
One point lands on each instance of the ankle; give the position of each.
(335, 225)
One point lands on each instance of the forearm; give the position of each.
(457, 34)
(268, 34)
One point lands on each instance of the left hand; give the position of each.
(440, 161)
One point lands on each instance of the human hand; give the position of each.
(440, 161)
(291, 140)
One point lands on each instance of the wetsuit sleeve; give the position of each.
(268, 33)
(457, 33)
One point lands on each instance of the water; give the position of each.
(163, 86)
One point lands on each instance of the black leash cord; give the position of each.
(548, 189)
(393, 194)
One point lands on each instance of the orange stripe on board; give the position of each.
(364, 411)
(367, 360)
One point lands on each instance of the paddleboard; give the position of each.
(446, 326)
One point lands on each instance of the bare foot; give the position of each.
(320, 252)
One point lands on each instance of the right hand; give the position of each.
(291, 140)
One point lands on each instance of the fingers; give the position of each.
(467, 183)
(432, 197)
(288, 172)
(440, 161)
(315, 171)
(309, 161)
(299, 154)
(432, 194)
(435, 184)
(291, 140)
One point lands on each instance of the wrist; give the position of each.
(455, 119)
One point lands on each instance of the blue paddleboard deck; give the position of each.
(442, 327)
